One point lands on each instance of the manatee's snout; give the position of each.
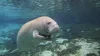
(54, 29)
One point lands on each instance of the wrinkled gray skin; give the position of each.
(35, 31)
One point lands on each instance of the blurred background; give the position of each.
(64, 11)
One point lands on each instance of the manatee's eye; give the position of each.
(49, 23)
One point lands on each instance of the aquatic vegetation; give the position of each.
(80, 48)
(47, 53)
(3, 51)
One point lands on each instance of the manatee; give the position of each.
(35, 31)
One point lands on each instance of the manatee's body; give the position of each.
(35, 31)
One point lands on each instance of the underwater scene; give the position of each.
(49, 27)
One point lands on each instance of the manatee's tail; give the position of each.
(16, 50)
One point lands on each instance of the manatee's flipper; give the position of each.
(36, 35)
(48, 37)
(16, 50)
